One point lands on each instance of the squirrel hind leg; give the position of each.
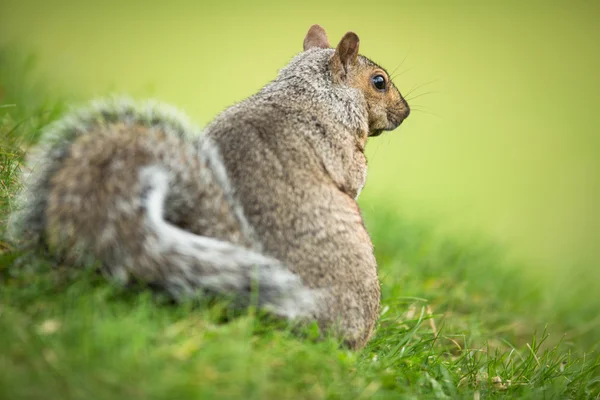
(192, 262)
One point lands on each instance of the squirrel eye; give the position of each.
(378, 82)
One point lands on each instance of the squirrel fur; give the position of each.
(264, 196)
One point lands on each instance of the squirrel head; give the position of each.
(385, 106)
(325, 102)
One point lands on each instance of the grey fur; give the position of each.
(266, 193)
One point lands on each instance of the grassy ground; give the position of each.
(457, 321)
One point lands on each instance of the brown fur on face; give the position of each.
(386, 108)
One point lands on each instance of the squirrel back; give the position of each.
(266, 194)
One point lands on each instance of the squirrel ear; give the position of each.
(345, 55)
(316, 37)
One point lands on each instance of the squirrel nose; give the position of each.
(406, 110)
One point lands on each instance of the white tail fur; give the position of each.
(199, 262)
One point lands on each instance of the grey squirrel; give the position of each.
(265, 196)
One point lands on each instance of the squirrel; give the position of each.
(263, 197)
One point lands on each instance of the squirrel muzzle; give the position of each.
(394, 116)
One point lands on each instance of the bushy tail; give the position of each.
(47, 157)
(118, 219)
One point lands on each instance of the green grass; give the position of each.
(458, 320)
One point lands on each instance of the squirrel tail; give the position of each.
(28, 209)
(121, 222)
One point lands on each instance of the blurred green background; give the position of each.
(503, 139)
